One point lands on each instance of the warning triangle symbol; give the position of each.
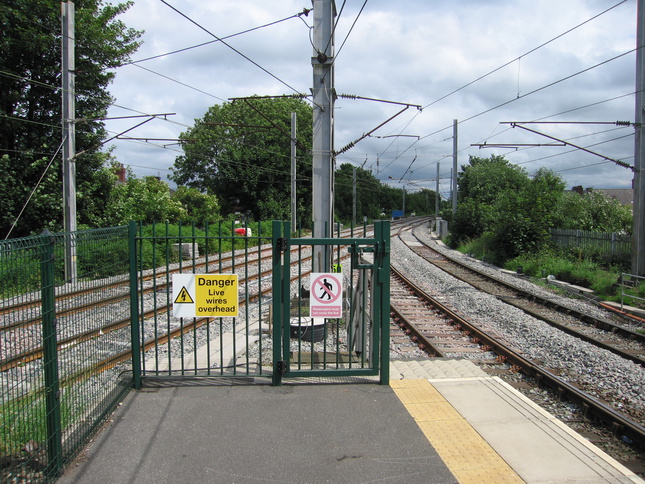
(184, 297)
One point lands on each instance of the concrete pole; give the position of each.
(454, 166)
(437, 198)
(403, 210)
(69, 138)
(638, 237)
(354, 195)
(323, 128)
(293, 170)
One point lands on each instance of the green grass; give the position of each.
(601, 279)
(24, 420)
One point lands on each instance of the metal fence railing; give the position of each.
(63, 354)
(629, 289)
(168, 307)
(613, 247)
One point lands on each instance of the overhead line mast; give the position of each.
(638, 232)
(69, 137)
(323, 127)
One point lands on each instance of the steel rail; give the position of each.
(620, 423)
(37, 353)
(583, 317)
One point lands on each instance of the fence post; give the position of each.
(277, 303)
(134, 306)
(382, 235)
(50, 357)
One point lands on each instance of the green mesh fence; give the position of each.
(65, 351)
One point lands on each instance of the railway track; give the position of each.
(432, 327)
(20, 333)
(601, 332)
(439, 331)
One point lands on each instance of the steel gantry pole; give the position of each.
(638, 237)
(294, 203)
(69, 138)
(455, 146)
(323, 127)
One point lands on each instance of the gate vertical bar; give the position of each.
(278, 304)
(50, 358)
(286, 297)
(134, 306)
(383, 278)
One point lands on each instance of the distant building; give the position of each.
(624, 195)
(120, 173)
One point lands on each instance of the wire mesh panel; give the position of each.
(334, 320)
(176, 335)
(65, 347)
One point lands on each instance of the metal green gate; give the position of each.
(271, 335)
(334, 322)
(168, 343)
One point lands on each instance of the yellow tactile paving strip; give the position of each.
(464, 451)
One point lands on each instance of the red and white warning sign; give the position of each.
(326, 295)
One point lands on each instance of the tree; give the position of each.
(421, 203)
(483, 179)
(501, 205)
(481, 183)
(199, 207)
(391, 198)
(30, 101)
(368, 193)
(147, 200)
(523, 218)
(240, 151)
(592, 211)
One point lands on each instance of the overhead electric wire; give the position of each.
(32, 81)
(179, 82)
(217, 40)
(585, 166)
(515, 99)
(519, 96)
(350, 29)
(512, 151)
(229, 46)
(564, 112)
(525, 54)
(576, 150)
(333, 30)
(346, 37)
(36, 187)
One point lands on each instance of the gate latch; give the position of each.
(282, 244)
(282, 367)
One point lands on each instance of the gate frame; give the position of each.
(379, 245)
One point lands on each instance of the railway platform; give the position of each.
(439, 421)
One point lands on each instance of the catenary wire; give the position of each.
(501, 67)
(298, 15)
(523, 55)
(229, 46)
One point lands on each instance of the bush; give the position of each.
(480, 248)
(583, 273)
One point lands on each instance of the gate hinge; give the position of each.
(282, 367)
(282, 244)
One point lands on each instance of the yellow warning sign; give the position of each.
(211, 295)
(184, 297)
(216, 294)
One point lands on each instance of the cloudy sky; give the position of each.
(482, 62)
